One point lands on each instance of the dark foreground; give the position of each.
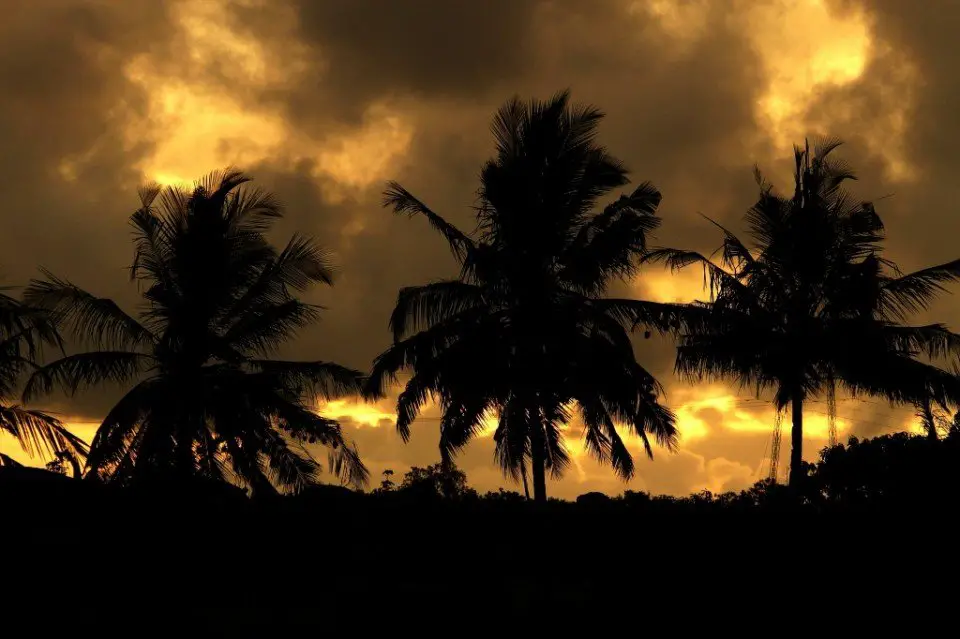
(200, 561)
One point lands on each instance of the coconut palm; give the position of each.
(202, 398)
(525, 332)
(812, 304)
(23, 332)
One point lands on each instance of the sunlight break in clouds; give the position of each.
(806, 48)
(199, 127)
(368, 414)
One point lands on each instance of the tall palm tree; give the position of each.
(202, 397)
(525, 331)
(811, 304)
(23, 332)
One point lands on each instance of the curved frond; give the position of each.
(403, 202)
(512, 439)
(301, 264)
(713, 275)
(74, 372)
(612, 243)
(325, 379)
(344, 462)
(262, 330)
(462, 421)
(252, 209)
(287, 468)
(421, 307)
(152, 249)
(93, 319)
(39, 433)
(914, 292)
(663, 317)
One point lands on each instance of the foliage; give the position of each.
(444, 481)
(811, 304)
(203, 398)
(526, 332)
(24, 330)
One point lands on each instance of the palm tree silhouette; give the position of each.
(525, 331)
(219, 300)
(23, 332)
(812, 304)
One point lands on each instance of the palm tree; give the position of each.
(23, 332)
(202, 399)
(811, 304)
(525, 331)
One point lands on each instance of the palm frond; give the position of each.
(403, 202)
(914, 292)
(252, 209)
(612, 244)
(462, 421)
(73, 372)
(660, 316)
(713, 275)
(344, 462)
(39, 433)
(324, 379)
(152, 236)
(301, 264)
(421, 307)
(263, 329)
(287, 468)
(92, 319)
(114, 442)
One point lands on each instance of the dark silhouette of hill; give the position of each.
(200, 553)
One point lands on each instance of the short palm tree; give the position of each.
(202, 398)
(812, 304)
(525, 331)
(23, 332)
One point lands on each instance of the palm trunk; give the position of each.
(928, 422)
(539, 476)
(538, 459)
(75, 465)
(526, 488)
(796, 440)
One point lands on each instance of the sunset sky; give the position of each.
(322, 101)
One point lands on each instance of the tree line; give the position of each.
(527, 333)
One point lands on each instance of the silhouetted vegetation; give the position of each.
(208, 447)
(203, 398)
(526, 331)
(812, 304)
(24, 330)
(871, 509)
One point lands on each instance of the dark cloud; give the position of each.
(905, 105)
(435, 48)
(67, 169)
(66, 101)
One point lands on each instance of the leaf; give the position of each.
(92, 319)
(403, 202)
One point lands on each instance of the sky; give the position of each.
(323, 101)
